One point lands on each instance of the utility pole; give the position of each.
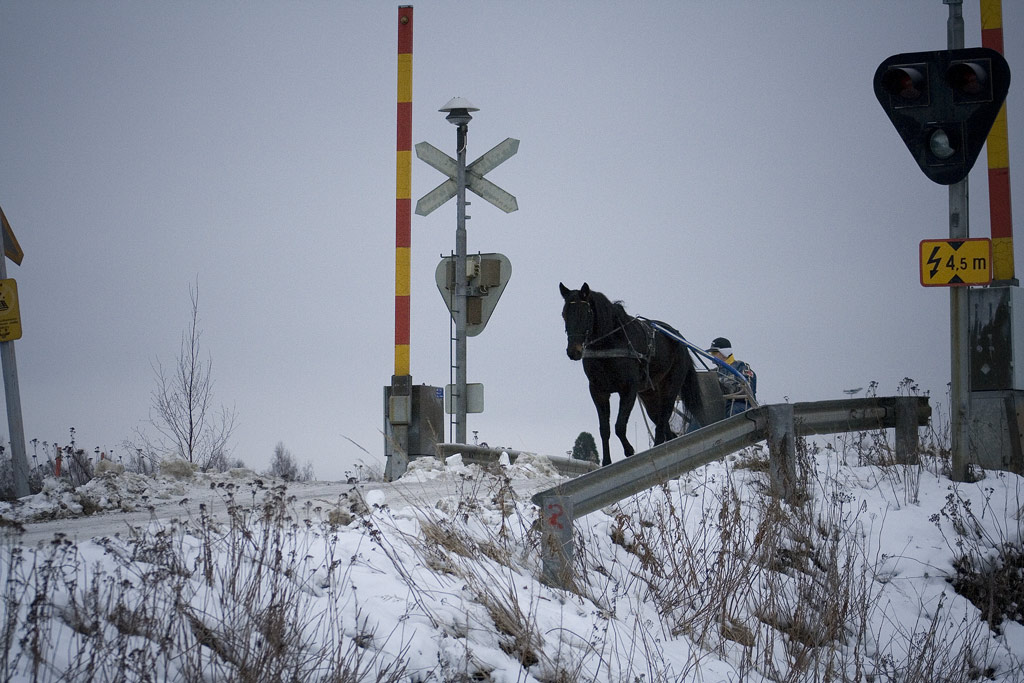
(12, 391)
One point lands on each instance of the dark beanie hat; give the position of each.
(721, 343)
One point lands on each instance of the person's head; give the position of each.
(721, 347)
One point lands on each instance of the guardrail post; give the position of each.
(782, 451)
(907, 452)
(556, 541)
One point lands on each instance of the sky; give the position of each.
(724, 167)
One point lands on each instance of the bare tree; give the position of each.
(183, 412)
(284, 466)
(141, 458)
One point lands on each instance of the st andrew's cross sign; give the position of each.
(475, 173)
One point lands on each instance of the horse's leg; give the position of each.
(662, 431)
(664, 397)
(666, 405)
(626, 401)
(602, 401)
(652, 401)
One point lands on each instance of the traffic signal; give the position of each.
(943, 104)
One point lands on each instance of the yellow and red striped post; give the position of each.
(998, 157)
(403, 200)
(398, 396)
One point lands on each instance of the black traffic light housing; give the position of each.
(943, 105)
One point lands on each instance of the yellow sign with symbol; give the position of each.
(956, 262)
(10, 314)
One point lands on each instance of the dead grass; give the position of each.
(711, 565)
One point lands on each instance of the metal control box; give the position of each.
(413, 425)
(996, 333)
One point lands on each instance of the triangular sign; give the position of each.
(487, 279)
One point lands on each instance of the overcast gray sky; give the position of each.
(723, 166)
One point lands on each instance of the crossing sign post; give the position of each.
(460, 178)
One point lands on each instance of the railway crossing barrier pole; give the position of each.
(782, 452)
(556, 541)
(398, 397)
(998, 148)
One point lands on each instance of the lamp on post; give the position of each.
(458, 109)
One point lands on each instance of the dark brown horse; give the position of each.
(628, 356)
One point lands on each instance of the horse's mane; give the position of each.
(608, 314)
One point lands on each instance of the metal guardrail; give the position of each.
(485, 455)
(665, 461)
(778, 424)
(671, 459)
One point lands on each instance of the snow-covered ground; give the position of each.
(435, 578)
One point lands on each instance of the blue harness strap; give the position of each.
(672, 333)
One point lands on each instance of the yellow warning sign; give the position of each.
(956, 262)
(10, 314)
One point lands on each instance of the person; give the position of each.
(738, 397)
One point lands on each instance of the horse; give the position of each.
(626, 355)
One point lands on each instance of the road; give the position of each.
(187, 500)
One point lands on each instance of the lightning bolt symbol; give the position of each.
(933, 261)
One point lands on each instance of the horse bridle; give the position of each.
(588, 328)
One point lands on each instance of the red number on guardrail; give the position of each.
(553, 519)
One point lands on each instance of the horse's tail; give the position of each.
(689, 390)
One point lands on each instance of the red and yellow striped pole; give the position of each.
(998, 157)
(403, 201)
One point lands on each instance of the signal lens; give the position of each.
(940, 145)
(906, 85)
(969, 82)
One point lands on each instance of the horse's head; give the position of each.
(579, 318)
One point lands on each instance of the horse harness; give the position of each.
(629, 351)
